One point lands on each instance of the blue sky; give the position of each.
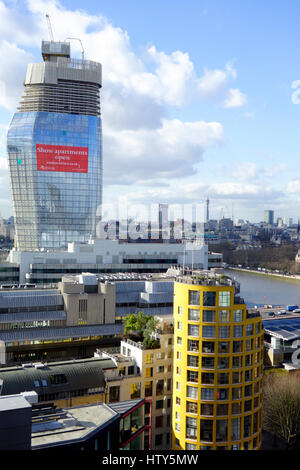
(196, 98)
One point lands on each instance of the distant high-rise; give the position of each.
(163, 219)
(269, 217)
(54, 151)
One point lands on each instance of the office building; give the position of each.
(217, 369)
(269, 217)
(54, 151)
(163, 221)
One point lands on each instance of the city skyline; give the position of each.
(184, 104)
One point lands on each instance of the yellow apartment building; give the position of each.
(217, 368)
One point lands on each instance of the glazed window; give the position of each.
(194, 315)
(224, 299)
(209, 299)
(194, 297)
(209, 316)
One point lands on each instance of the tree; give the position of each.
(281, 407)
(142, 326)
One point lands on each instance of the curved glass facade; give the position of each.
(55, 169)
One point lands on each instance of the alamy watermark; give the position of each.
(167, 221)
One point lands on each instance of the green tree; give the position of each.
(141, 326)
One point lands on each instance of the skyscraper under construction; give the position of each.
(54, 147)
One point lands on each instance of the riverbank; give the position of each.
(290, 277)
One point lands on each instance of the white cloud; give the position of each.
(235, 99)
(293, 187)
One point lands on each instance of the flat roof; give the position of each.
(13, 402)
(283, 328)
(75, 424)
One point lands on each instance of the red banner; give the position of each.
(62, 158)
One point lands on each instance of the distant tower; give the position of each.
(163, 218)
(269, 217)
(207, 209)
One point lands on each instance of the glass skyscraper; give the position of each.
(54, 147)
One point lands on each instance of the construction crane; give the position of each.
(49, 28)
(82, 50)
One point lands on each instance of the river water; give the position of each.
(257, 289)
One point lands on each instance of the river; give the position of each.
(258, 289)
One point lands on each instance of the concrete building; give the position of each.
(102, 256)
(15, 423)
(217, 369)
(269, 217)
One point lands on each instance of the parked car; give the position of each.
(297, 310)
(271, 314)
(282, 312)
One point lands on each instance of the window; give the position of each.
(194, 297)
(235, 429)
(159, 404)
(194, 315)
(159, 421)
(209, 316)
(192, 392)
(178, 370)
(223, 378)
(191, 428)
(207, 378)
(192, 376)
(179, 325)
(178, 401)
(236, 362)
(160, 387)
(235, 408)
(178, 385)
(44, 383)
(248, 375)
(208, 362)
(257, 328)
(114, 394)
(193, 345)
(238, 331)
(236, 377)
(207, 394)
(208, 347)
(194, 331)
(190, 446)
(222, 394)
(135, 390)
(237, 315)
(178, 355)
(160, 369)
(177, 427)
(191, 407)
(237, 346)
(209, 299)
(149, 372)
(224, 331)
(247, 426)
(193, 361)
(247, 405)
(206, 430)
(249, 330)
(223, 347)
(207, 409)
(148, 389)
(221, 430)
(58, 379)
(179, 340)
(179, 310)
(36, 383)
(249, 344)
(224, 316)
(223, 362)
(149, 358)
(224, 299)
(208, 332)
(236, 393)
(248, 360)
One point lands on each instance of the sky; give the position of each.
(199, 98)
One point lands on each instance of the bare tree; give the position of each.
(281, 407)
